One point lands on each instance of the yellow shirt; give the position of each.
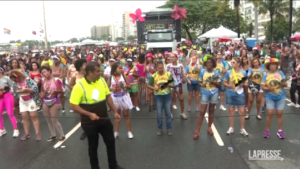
(85, 96)
(48, 61)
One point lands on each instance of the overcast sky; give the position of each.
(65, 19)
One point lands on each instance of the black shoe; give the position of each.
(118, 167)
(154, 107)
(150, 108)
(83, 136)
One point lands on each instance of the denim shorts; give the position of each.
(237, 101)
(206, 99)
(222, 87)
(193, 87)
(275, 104)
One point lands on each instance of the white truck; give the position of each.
(159, 32)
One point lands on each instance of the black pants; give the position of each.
(293, 89)
(92, 131)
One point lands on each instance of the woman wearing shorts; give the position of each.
(210, 80)
(235, 97)
(51, 88)
(132, 74)
(273, 84)
(255, 75)
(193, 72)
(27, 92)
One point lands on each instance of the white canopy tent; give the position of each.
(89, 42)
(214, 34)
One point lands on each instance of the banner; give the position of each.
(6, 31)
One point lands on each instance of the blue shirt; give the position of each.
(229, 78)
(208, 89)
(273, 80)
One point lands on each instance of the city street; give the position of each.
(149, 151)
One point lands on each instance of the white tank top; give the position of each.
(118, 84)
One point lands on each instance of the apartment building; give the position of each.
(128, 28)
(247, 11)
(98, 31)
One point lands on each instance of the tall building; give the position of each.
(100, 31)
(129, 28)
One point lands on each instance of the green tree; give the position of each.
(280, 29)
(73, 40)
(276, 8)
(131, 38)
(296, 22)
(119, 39)
(205, 15)
(12, 41)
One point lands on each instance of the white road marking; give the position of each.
(4, 112)
(67, 135)
(216, 133)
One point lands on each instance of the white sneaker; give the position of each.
(130, 135)
(2, 132)
(291, 104)
(174, 107)
(116, 134)
(71, 111)
(223, 108)
(297, 105)
(16, 134)
(244, 132)
(230, 131)
(137, 109)
(182, 115)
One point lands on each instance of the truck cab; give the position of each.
(160, 32)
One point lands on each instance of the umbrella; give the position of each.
(189, 43)
(295, 37)
(224, 39)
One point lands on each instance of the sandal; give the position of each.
(247, 117)
(258, 117)
(62, 138)
(210, 132)
(51, 138)
(196, 135)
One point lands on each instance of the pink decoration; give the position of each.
(137, 16)
(276, 76)
(179, 13)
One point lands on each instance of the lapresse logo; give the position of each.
(263, 155)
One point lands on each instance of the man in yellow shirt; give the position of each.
(88, 98)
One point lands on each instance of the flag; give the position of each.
(34, 32)
(6, 31)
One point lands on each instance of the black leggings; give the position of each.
(294, 88)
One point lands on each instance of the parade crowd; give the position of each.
(233, 75)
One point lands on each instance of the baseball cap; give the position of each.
(112, 60)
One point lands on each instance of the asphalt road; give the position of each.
(149, 151)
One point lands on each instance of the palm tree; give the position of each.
(256, 4)
(275, 8)
(237, 7)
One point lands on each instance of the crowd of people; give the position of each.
(233, 75)
(119, 79)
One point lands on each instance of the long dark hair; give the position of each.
(141, 58)
(114, 67)
(37, 64)
(10, 64)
